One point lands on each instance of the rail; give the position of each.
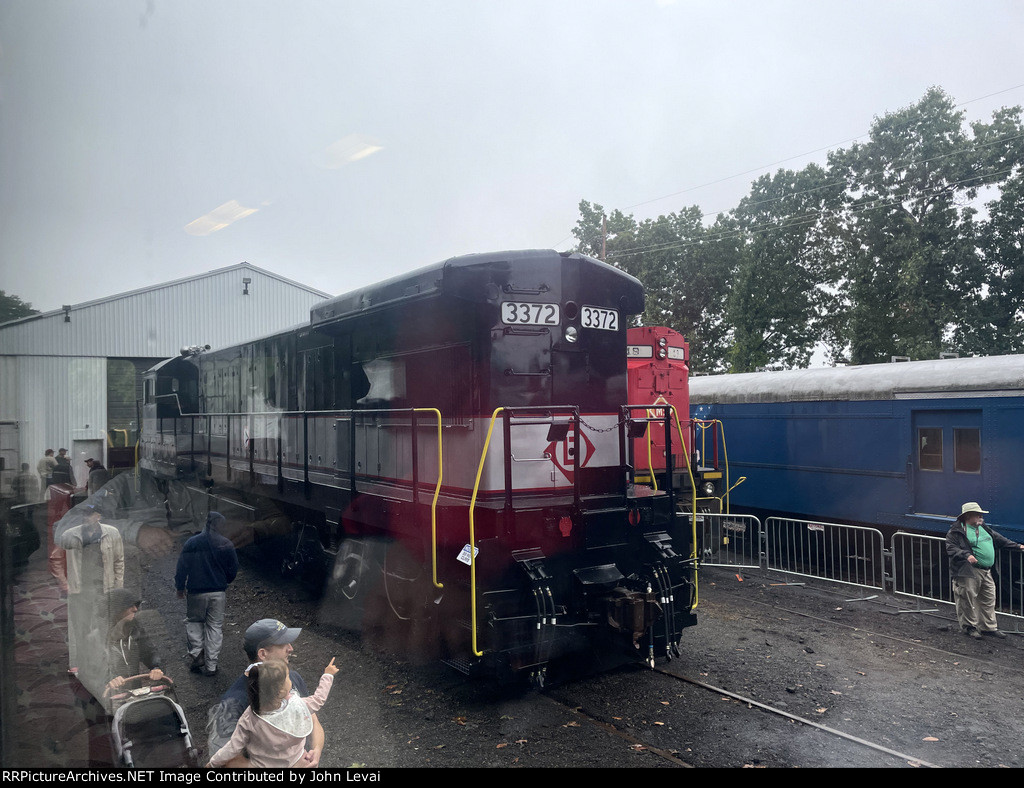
(717, 427)
(669, 412)
(729, 540)
(123, 432)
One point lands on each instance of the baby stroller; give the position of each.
(149, 728)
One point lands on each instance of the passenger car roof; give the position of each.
(955, 377)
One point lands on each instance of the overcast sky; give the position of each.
(339, 142)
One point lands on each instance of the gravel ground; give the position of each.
(906, 681)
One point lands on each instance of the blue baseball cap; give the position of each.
(268, 632)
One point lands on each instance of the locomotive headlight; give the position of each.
(708, 489)
(571, 334)
(662, 353)
(662, 342)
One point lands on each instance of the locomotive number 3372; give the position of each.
(596, 317)
(519, 313)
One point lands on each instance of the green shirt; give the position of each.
(981, 545)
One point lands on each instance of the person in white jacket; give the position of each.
(95, 555)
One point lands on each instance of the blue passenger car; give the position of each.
(901, 445)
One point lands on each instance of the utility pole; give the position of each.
(604, 238)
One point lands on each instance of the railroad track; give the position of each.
(1002, 666)
(673, 757)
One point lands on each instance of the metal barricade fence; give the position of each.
(921, 570)
(728, 540)
(827, 551)
(920, 567)
(850, 554)
(1010, 584)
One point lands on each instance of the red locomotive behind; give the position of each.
(658, 372)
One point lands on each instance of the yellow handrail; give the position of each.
(693, 509)
(110, 443)
(725, 456)
(650, 460)
(472, 531)
(437, 493)
(693, 488)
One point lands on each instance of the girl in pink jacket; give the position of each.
(275, 726)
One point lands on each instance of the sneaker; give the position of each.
(995, 633)
(198, 662)
(207, 672)
(971, 632)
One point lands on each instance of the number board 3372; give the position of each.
(598, 317)
(518, 313)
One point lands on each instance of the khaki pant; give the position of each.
(975, 597)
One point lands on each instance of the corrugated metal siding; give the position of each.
(156, 323)
(57, 400)
(53, 374)
(8, 388)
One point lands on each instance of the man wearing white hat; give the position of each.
(971, 546)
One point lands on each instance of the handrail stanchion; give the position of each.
(415, 462)
(280, 458)
(472, 532)
(575, 459)
(437, 492)
(305, 455)
(624, 476)
(506, 431)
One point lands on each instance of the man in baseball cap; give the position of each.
(971, 546)
(266, 639)
(272, 637)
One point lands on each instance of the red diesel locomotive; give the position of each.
(659, 373)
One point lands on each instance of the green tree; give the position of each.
(880, 253)
(993, 318)
(785, 296)
(914, 261)
(12, 308)
(684, 266)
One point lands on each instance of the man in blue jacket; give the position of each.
(208, 563)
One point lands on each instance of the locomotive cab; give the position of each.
(170, 391)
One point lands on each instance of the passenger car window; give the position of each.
(929, 448)
(967, 450)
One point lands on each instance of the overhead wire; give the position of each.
(808, 153)
(801, 220)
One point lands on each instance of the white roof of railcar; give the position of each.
(944, 378)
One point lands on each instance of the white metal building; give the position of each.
(58, 370)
